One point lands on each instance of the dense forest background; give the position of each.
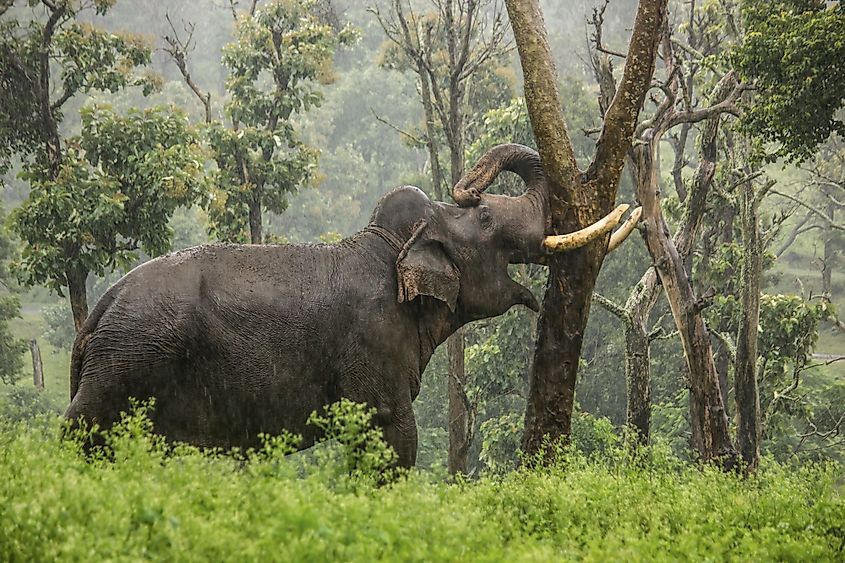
(359, 131)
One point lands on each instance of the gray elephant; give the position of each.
(238, 340)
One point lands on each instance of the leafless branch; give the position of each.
(810, 208)
(659, 333)
(178, 51)
(597, 21)
(416, 140)
(615, 309)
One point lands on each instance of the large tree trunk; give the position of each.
(747, 397)
(78, 295)
(576, 200)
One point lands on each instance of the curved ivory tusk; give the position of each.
(561, 243)
(626, 229)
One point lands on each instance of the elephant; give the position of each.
(235, 341)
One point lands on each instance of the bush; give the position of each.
(153, 501)
(24, 403)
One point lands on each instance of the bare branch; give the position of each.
(178, 51)
(597, 21)
(416, 140)
(615, 309)
(659, 333)
(810, 208)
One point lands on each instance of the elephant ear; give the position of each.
(423, 268)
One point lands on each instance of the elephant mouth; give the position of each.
(517, 293)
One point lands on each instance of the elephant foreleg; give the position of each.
(400, 432)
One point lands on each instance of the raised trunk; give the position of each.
(78, 295)
(255, 234)
(745, 376)
(37, 366)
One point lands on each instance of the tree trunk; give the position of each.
(37, 366)
(459, 433)
(576, 200)
(458, 416)
(638, 355)
(255, 234)
(829, 251)
(431, 136)
(707, 412)
(747, 398)
(78, 294)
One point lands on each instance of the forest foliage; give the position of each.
(299, 118)
(151, 501)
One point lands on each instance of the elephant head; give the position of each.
(459, 253)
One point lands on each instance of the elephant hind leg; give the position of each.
(90, 407)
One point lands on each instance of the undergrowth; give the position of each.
(142, 498)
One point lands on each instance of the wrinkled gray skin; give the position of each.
(238, 340)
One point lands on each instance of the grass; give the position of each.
(146, 503)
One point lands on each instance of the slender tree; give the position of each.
(43, 65)
(119, 183)
(260, 157)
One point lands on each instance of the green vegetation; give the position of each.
(149, 501)
(310, 115)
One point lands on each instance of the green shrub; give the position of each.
(153, 501)
(23, 403)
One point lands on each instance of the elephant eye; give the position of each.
(485, 218)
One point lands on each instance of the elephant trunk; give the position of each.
(525, 162)
(519, 159)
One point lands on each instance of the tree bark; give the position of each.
(37, 366)
(577, 200)
(255, 234)
(459, 433)
(78, 295)
(830, 251)
(431, 137)
(458, 417)
(707, 417)
(745, 375)
(638, 355)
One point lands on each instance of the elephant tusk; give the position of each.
(569, 241)
(626, 229)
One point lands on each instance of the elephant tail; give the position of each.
(77, 354)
